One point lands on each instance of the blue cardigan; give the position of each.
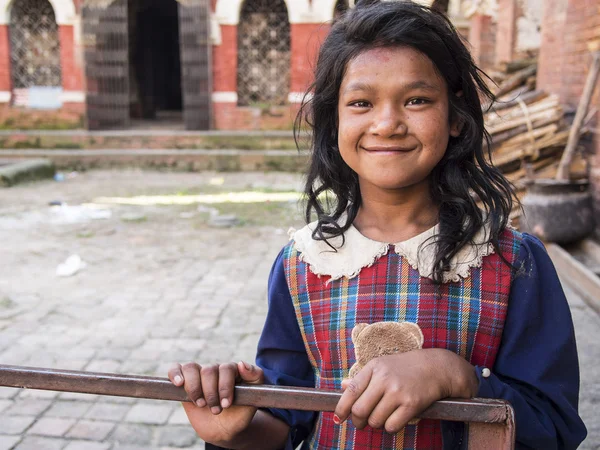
(536, 368)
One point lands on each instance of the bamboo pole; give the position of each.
(551, 114)
(584, 103)
(516, 80)
(527, 98)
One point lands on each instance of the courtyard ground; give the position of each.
(162, 279)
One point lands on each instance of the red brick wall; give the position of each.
(229, 116)
(306, 39)
(550, 67)
(564, 57)
(506, 31)
(5, 83)
(72, 74)
(567, 27)
(225, 61)
(482, 37)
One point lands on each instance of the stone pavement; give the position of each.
(160, 285)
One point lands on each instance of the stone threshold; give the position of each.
(578, 276)
(192, 160)
(150, 132)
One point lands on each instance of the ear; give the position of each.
(415, 331)
(457, 125)
(456, 128)
(357, 330)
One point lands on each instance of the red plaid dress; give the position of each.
(466, 317)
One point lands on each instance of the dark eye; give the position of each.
(418, 101)
(360, 104)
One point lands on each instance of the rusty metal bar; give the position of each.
(491, 421)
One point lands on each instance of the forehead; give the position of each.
(396, 65)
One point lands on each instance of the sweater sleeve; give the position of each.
(537, 368)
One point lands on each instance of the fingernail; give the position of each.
(201, 402)
(215, 410)
(178, 379)
(336, 419)
(246, 365)
(225, 403)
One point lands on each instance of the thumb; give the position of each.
(250, 374)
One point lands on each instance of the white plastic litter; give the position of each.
(70, 267)
(65, 213)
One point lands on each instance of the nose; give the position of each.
(388, 122)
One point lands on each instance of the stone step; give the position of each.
(226, 160)
(146, 139)
(23, 170)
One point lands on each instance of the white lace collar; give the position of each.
(359, 251)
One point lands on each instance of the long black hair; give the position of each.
(464, 174)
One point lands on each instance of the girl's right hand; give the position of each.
(210, 388)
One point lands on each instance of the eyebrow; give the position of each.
(420, 84)
(358, 86)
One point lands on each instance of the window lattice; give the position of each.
(263, 53)
(34, 44)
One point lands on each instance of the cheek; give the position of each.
(434, 132)
(348, 130)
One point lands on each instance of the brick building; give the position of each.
(501, 30)
(220, 64)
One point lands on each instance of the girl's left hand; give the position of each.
(392, 390)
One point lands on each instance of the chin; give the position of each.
(399, 183)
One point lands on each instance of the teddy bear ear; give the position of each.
(415, 330)
(357, 330)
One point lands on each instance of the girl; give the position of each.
(397, 138)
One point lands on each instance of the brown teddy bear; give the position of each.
(383, 338)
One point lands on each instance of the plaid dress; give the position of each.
(466, 317)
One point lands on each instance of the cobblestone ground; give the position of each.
(161, 284)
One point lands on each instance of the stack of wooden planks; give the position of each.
(527, 127)
(528, 139)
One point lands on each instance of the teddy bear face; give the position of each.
(385, 338)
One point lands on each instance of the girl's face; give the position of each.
(393, 118)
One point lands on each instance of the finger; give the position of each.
(175, 375)
(227, 376)
(250, 374)
(354, 389)
(363, 407)
(210, 387)
(382, 411)
(191, 379)
(400, 418)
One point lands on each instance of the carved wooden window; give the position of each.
(263, 73)
(34, 44)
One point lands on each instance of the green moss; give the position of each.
(245, 143)
(68, 145)
(6, 303)
(37, 143)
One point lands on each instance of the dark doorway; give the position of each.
(155, 62)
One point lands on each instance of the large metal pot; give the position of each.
(558, 211)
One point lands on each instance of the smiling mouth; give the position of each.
(388, 150)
